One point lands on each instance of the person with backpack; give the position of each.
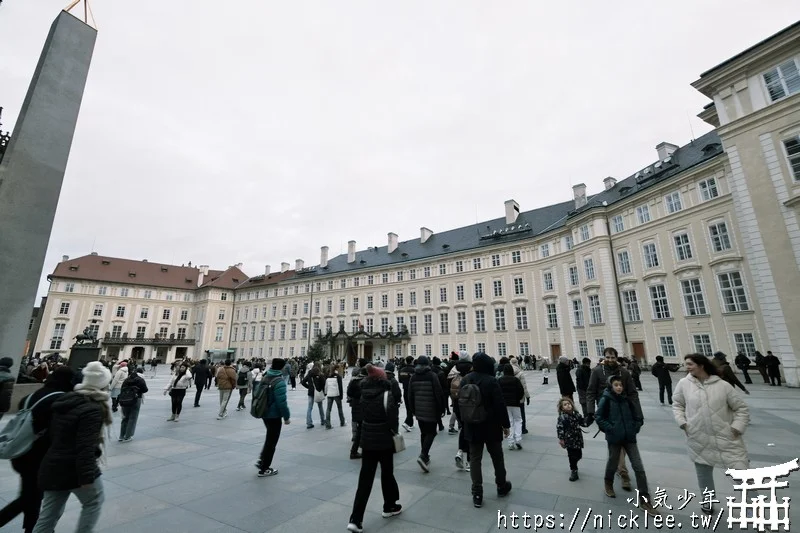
(315, 384)
(426, 402)
(483, 413)
(244, 382)
(379, 425)
(80, 420)
(404, 376)
(513, 396)
(462, 368)
(38, 407)
(130, 400)
(334, 392)
(273, 387)
(176, 388)
(201, 374)
(354, 399)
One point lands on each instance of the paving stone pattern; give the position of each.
(198, 475)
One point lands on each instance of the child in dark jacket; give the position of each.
(570, 435)
(616, 417)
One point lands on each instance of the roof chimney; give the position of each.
(203, 272)
(609, 182)
(298, 264)
(284, 267)
(204, 269)
(424, 234)
(266, 270)
(351, 251)
(665, 150)
(323, 256)
(512, 211)
(238, 265)
(392, 242)
(64, 258)
(579, 191)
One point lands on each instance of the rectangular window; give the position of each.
(182, 333)
(166, 314)
(442, 269)
(149, 294)
(500, 319)
(262, 332)
(294, 309)
(650, 255)
(170, 296)
(330, 287)
(444, 323)
(482, 347)
(282, 335)
(544, 250)
(369, 302)
(617, 224)
(673, 202)
(577, 312)
(495, 260)
(413, 350)
(720, 238)
(658, 295)
(341, 305)
(184, 315)
(275, 310)
(285, 308)
(412, 274)
(264, 310)
(599, 347)
(342, 285)
(480, 320)
(58, 336)
(643, 214)
(583, 349)
(412, 325)
(667, 344)
(588, 267)
(478, 290)
(443, 295)
(519, 287)
(693, 297)
(524, 349)
(745, 343)
(223, 296)
(792, 147)
(569, 242)
(624, 262)
(385, 277)
(141, 332)
(400, 299)
(124, 292)
(412, 298)
(459, 293)
(501, 349)
(247, 312)
(400, 324)
(328, 306)
(426, 296)
(708, 189)
(428, 350)
(702, 344)
(683, 249)
(370, 325)
(370, 279)
(547, 279)
(782, 80)
(552, 315)
(64, 309)
(69, 287)
(516, 257)
(461, 321)
(272, 331)
(399, 275)
(522, 317)
(476, 263)
(584, 232)
(102, 291)
(734, 297)
(445, 350)
(630, 301)
(426, 272)
(234, 334)
(384, 325)
(574, 279)
(116, 331)
(459, 266)
(427, 321)
(304, 331)
(497, 287)
(595, 313)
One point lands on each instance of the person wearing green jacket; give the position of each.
(278, 408)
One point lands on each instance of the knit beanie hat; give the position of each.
(389, 367)
(375, 373)
(6, 362)
(463, 355)
(95, 376)
(278, 363)
(423, 360)
(563, 359)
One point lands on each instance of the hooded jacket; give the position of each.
(226, 378)
(598, 380)
(278, 406)
(120, 376)
(71, 460)
(136, 381)
(248, 377)
(710, 409)
(492, 399)
(380, 419)
(425, 396)
(520, 376)
(513, 393)
(565, 384)
(616, 417)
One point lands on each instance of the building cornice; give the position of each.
(773, 112)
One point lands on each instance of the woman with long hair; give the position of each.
(714, 417)
(76, 441)
(176, 388)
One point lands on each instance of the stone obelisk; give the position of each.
(32, 172)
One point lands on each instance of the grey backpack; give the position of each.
(18, 436)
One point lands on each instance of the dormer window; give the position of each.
(783, 80)
(164, 269)
(73, 268)
(106, 262)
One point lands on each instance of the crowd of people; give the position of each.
(484, 398)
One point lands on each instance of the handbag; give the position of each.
(397, 439)
(319, 395)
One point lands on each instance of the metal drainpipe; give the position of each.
(616, 281)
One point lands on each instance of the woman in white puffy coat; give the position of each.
(116, 384)
(714, 417)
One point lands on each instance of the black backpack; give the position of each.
(128, 395)
(263, 396)
(242, 380)
(470, 404)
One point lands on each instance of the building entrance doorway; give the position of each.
(555, 352)
(137, 354)
(638, 350)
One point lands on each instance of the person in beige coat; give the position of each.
(519, 375)
(714, 417)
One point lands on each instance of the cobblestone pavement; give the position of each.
(198, 475)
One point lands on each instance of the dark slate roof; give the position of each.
(529, 223)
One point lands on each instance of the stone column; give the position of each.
(33, 170)
(360, 349)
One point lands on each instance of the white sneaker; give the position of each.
(459, 461)
(466, 466)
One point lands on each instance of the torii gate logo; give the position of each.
(759, 511)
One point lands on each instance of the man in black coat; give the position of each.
(489, 433)
(565, 384)
(743, 363)
(427, 403)
(598, 381)
(202, 375)
(354, 399)
(773, 368)
(582, 381)
(404, 376)
(661, 372)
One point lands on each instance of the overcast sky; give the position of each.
(258, 131)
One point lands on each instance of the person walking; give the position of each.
(565, 384)
(726, 372)
(773, 369)
(120, 375)
(201, 374)
(513, 396)
(761, 365)
(277, 409)
(714, 418)
(463, 367)
(130, 400)
(380, 421)
(176, 388)
(76, 441)
(742, 362)
(427, 403)
(617, 417)
(486, 424)
(244, 382)
(354, 400)
(404, 377)
(598, 383)
(636, 372)
(226, 382)
(316, 395)
(27, 465)
(664, 377)
(521, 377)
(570, 435)
(293, 374)
(582, 374)
(333, 392)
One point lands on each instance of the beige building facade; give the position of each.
(699, 251)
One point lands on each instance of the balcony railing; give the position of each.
(172, 340)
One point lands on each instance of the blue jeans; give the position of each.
(130, 415)
(91, 499)
(309, 421)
